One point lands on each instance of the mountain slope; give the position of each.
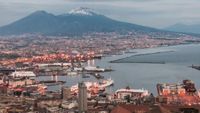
(184, 28)
(38, 22)
(76, 22)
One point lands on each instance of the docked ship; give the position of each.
(106, 83)
(93, 87)
(94, 69)
(51, 82)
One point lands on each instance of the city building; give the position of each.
(82, 97)
(66, 93)
(123, 93)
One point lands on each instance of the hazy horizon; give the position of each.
(153, 13)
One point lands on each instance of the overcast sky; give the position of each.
(154, 13)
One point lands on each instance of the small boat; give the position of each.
(98, 56)
(97, 75)
(85, 76)
(72, 73)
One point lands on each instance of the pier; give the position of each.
(196, 67)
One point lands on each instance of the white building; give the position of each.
(122, 93)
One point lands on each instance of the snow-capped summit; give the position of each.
(82, 11)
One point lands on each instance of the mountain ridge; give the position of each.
(76, 22)
(179, 27)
